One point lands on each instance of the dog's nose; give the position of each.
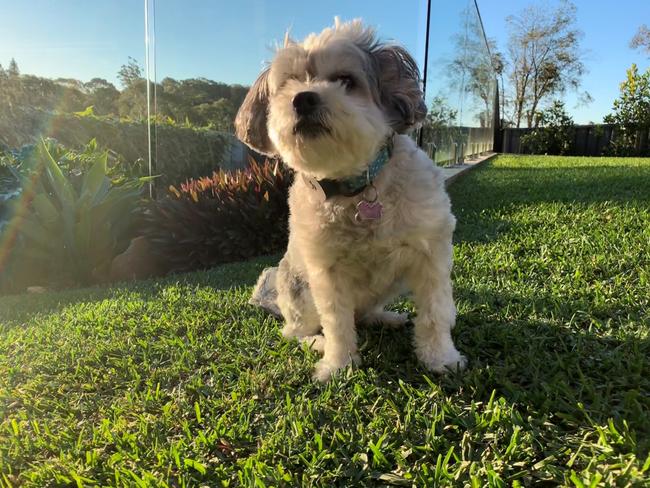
(305, 103)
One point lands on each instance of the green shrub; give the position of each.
(9, 191)
(74, 163)
(67, 225)
(631, 115)
(230, 216)
(180, 151)
(554, 135)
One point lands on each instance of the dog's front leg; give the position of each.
(436, 312)
(336, 310)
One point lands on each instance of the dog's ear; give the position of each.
(399, 86)
(250, 122)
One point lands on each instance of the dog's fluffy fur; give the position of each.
(338, 271)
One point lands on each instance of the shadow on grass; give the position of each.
(21, 308)
(559, 368)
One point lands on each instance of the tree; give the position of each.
(13, 70)
(641, 40)
(631, 112)
(476, 64)
(499, 66)
(553, 134)
(102, 95)
(130, 73)
(219, 115)
(633, 105)
(133, 100)
(440, 129)
(482, 78)
(440, 114)
(545, 57)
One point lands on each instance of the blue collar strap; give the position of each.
(350, 187)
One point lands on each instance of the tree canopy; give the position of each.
(198, 101)
(544, 57)
(641, 40)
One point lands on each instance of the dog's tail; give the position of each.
(265, 294)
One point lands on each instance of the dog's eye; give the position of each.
(346, 80)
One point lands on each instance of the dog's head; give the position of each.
(326, 105)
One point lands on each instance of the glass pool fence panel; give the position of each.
(73, 80)
(461, 85)
(207, 54)
(71, 77)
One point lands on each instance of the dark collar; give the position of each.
(349, 187)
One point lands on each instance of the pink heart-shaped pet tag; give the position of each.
(369, 210)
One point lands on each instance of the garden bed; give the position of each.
(179, 382)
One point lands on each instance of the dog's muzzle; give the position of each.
(309, 111)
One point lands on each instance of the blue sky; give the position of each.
(228, 41)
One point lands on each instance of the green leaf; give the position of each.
(45, 209)
(101, 192)
(577, 482)
(116, 205)
(87, 112)
(57, 179)
(36, 233)
(83, 234)
(67, 198)
(191, 463)
(393, 479)
(93, 179)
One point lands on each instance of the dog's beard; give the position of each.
(336, 142)
(312, 126)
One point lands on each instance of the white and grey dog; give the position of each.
(369, 215)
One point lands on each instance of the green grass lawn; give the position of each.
(178, 382)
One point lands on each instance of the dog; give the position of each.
(369, 215)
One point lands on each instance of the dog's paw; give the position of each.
(442, 361)
(325, 369)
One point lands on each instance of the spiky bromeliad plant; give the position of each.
(66, 229)
(230, 216)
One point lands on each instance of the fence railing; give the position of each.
(588, 140)
(453, 145)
